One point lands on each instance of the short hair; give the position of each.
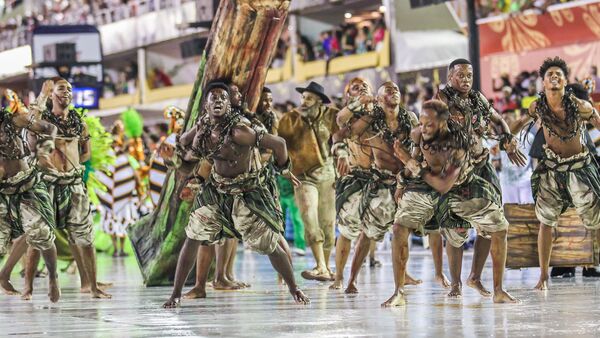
(440, 108)
(554, 62)
(266, 90)
(349, 84)
(459, 62)
(58, 79)
(214, 84)
(579, 91)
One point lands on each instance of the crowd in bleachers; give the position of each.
(346, 39)
(15, 30)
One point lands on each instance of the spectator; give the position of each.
(515, 180)
(349, 40)
(305, 48)
(160, 78)
(362, 41)
(531, 96)
(507, 101)
(325, 44)
(379, 34)
(505, 81)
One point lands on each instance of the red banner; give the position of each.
(523, 33)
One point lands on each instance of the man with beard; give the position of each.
(63, 175)
(470, 109)
(25, 206)
(354, 149)
(265, 113)
(384, 126)
(446, 176)
(567, 175)
(233, 201)
(307, 131)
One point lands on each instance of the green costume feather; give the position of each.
(100, 159)
(133, 123)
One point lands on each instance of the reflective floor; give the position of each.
(571, 307)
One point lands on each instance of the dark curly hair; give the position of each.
(554, 62)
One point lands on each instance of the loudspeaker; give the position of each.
(193, 47)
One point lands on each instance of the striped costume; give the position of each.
(118, 203)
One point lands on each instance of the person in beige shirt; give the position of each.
(307, 131)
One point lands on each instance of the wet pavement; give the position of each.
(570, 308)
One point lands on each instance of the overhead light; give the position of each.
(382, 9)
(348, 15)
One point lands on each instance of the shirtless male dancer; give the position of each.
(567, 175)
(446, 174)
(25, 206)
(471, 109)
(353, 147)
(233, 201)
(65, 184)
(369, 193)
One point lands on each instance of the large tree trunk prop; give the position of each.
(241, 45)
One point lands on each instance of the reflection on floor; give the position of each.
(571, 307)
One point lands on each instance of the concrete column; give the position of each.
(141, 60)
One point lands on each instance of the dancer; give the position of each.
(63, 175)
(566, 176)
(233, 201)
(472, 111)
(224, 254)
(265, 113)
(447, 174)
(25, 206)
(157, 168)
(366, 194)
(307, 131)
(355, 161)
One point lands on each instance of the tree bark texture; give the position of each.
(241, 44)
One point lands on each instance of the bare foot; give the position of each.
(397, 299)
(172, 303)
(443, 281)
(99, 294)
(542, 284)
(102, 286)
(240, 284)
(27, 294)
(195, 293)
(351, 289)
(455, 291)
(504, 297)
(8, 288)
(410, 280)
(225, 285)
(337, 284)
(54, 291)
(476, 284)
(300, 297)
(321, 276)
